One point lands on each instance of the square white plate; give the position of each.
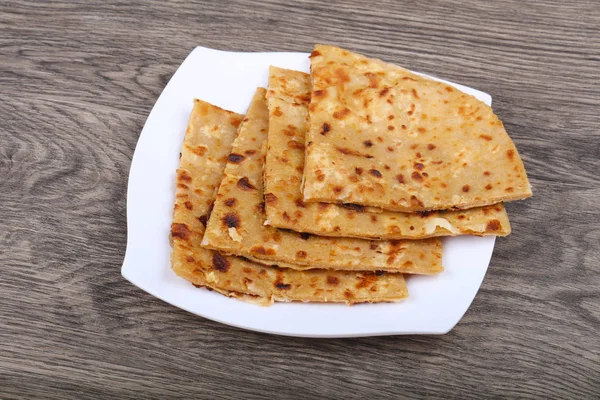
(435, 303)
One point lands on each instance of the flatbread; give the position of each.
(207, 143)
(236, 225)
(383, 136)
(285, 208)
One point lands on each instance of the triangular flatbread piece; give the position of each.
(285, 208)
(208, 139)
(236, 224)
(383, 136)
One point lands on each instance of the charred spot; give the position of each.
(231, 220)
(323, 206)
(375, 173)
(461, 216)
(286, 216)
(390, 127)
(493, 226)
(295, 145)
(400, 178)
(189, 259)
(185, 176)
(262, 250)
(260, 207)
(466, 188)
(412, 228)
(219, 262)
(231, 202)
(390, 117)
(325, 129)
(282, 286)
(415, 201)
(347, 151)
(270, 198)
(390, 149)
(368, 143)
(431, 146)
(314, 54)
(403, 126)
(203, 219)
(418, 155)
(419, 166)
(244, 184)
(353, 207)
(387, 167)
(510, 154)
(425, 214)
(180, 231)
(304, 235)
(384, 91)
(341, 114)
(188, 204)
(332, 280)
(235, 158)
(358, 171)
(416, 176)
(337, 189)
(488, 186)
(301, 254)
(486, 137)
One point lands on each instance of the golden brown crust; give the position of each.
(422, 144)
(284, 204)
(236, 225)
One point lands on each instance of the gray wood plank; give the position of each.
(78, 80)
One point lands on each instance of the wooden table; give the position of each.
(78, 80)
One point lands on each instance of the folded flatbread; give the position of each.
(207, 144)
(236, 225)
(288, 123)
(383, 136)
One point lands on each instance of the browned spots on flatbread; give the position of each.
(449, 89)
(325, 128)
(400, 178)
(358, 171)
(270, 199)
(415, 94)
(510, 154)
(282, 286)
(466, 188)
(403, 126)
(338, 189)
(199, 150)
(493, 225)
(250, 152)
(286, 216)
(366, 280)
(488, 186)
(188, 204)
(408, 78)
(509, 189)
(332, 280)
(277, 112)
(295, 145)
(431, 146)
(368, 143)
(319, 93)
(384, 91)
(375, 173)
(348, 294)
(394, 229)
(390, 128)
(415, 201)
(341, 114)
(416, 176)
(348, 151)
(260, 207)
(342, 75)
(219, 262)
(231, 220)
(300, 203)
(323, 206)
(419, 166)
(189, 259)
(203, 219)
(262, 250)
(315, 53)
(412, 109)
(301, 254)
(421, 129)
(231, 202)
(185, 176)
(390, 117)
(373, 79)
(180, 231)
(244, 184)
(235, 158)
(373, 218)
(486, 137)
(408, 264)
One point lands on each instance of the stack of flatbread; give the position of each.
(336, 184)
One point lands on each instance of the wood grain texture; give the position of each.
(78, 80)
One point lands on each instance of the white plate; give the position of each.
(435, 303)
